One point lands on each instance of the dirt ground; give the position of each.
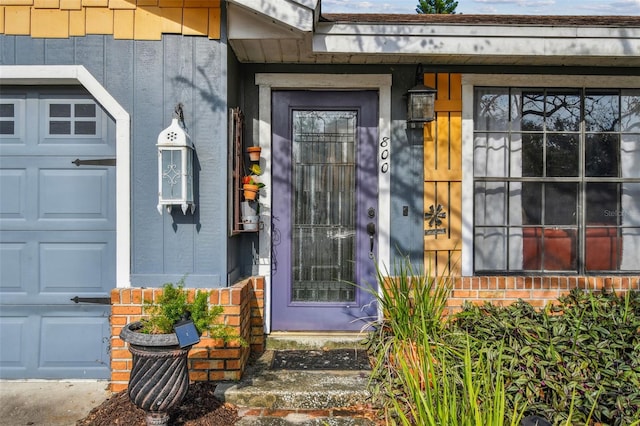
(199, 408)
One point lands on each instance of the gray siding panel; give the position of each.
(148, 78)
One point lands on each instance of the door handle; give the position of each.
(371, 230)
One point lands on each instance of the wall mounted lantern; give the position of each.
(175, 167)
(420, 102)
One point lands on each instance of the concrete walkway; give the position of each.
(49, 403)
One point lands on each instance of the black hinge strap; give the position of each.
(99, 300)
(101, 162)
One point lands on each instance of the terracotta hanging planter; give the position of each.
(250, 191)
(254, 153)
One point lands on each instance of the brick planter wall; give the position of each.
(211, 359)
(539, 291)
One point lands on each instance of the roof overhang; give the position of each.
(294, 31)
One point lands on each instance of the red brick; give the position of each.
(126, 310)
(117, 387)
(199, 376)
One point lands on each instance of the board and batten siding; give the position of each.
(443, 175)
(124, 19)
(148, 79)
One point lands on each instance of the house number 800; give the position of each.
(384, 155)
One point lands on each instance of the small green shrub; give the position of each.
(173, 305)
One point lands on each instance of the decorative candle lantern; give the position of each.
(420, 102)
(175, 169)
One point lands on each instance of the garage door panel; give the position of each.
(70, 195)
(14, 269)
(14, 329)
(55, 343)
(62, 350)
(13, 185)
(74, 267)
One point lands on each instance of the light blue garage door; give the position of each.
(57, 234)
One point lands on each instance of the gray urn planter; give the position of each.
(159, 375)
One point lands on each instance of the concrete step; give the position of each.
(305, 340)
(262, 387)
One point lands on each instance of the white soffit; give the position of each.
(297, 15)
(475, 40)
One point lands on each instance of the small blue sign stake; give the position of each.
(187, 333)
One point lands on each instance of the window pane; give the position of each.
(532, 115)
(532, 249)
(602, 112)
(630, 249)
(602, 153)
(629, 211)
(59, 110)
(59, 128)
(85, 110)
(531, 203)
(491, 109)
(602, 249)
(490, 202)
(171, 175)
(559, 249)
(560, 203)
(602, 203)
(630, 114)
(532, 154)
(7, 127)
(562, 110)
(490, 249)
(490, 154)
(85, 127)
(562, 155)
(7, 110)
(630, 156)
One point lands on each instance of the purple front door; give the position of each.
(324, 214)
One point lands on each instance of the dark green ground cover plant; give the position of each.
(574, 363)
(581, 355)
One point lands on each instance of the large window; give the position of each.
(556, 180)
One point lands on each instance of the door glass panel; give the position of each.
(324, 206)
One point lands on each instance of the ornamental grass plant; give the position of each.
(576, 362)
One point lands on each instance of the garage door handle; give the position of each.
(98, 300)
(100, 162)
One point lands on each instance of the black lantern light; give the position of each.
(420, 102)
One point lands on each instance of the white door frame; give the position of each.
(77, 74)
(262, 134)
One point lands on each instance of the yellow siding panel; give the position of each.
(123, 24)
(70, 4)
(77, 23)
(201, 3)
(170, 3)
(171, 20)
(214, 23)
(99, 20)
(49, 23)
(195, 21)
(46, 4)
(147, 23)
(95, 3)
(147, 3)
(443, 174)
(1, 20)
(16, 2)
(122, 4)
(17, 20)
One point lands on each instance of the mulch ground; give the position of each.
(199, 408)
